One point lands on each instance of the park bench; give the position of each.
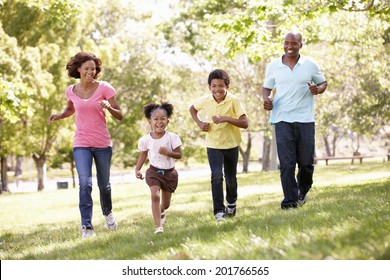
(352, 158)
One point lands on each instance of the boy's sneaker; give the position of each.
(163, 217)
(87, 232)
(110, 222)
(159, 230)
(289, 207)
(302, 198)
(231, 210)
(220, 216)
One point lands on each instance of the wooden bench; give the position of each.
(352, 158)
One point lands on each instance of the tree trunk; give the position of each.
(18, 166)
(270, 152)
(246, 154)
(245, 160)
(41, 168)
(265, 161)
(356, 152)
(326, 144)
(330, 149)
(18, 169)
(4, 177)
(334, 145)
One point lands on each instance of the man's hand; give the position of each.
(268, 105)
(313, 88)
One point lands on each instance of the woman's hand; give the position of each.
(53, 118)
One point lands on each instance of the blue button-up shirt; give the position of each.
(293, 101)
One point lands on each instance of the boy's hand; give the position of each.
(204, 126)
(218, 119)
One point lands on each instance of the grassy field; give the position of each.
(346, 217)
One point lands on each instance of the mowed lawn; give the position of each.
(346, 217)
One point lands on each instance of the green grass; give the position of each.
(347, 216)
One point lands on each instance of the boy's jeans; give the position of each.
(83, 158)
(226, 158)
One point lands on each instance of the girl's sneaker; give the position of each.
(163, 217)
(159, 230)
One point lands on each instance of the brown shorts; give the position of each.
(167, 179)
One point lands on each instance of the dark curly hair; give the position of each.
(149, 108)
(219, 74)
(76, 61)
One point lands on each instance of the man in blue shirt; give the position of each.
(295, 80)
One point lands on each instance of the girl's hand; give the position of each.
(164, 151)
(138, 175)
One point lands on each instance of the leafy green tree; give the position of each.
(14, 103)
(256, 29)
(198, 30)
(42, 39)
(14, 106)
(131, 66)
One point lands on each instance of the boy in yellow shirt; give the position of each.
(223, 137)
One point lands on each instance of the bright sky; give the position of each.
(160, 8)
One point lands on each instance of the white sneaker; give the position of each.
(302, 199)
(231, 210)
(87, 232)
(163, 217)
(110, 222)
(220, 216)
(159, 230)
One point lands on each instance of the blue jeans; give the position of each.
(226, 158)
(83, 158)
(295, 143)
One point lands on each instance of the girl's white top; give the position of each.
(170, 141)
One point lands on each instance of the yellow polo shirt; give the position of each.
(222, 135)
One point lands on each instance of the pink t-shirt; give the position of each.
(91, 125)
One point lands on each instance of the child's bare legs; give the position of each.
(156, 210)
(165, 203)
(157, 207)
(166, 200)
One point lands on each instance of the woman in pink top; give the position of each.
(90, 99)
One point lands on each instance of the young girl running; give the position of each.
(162, 148)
